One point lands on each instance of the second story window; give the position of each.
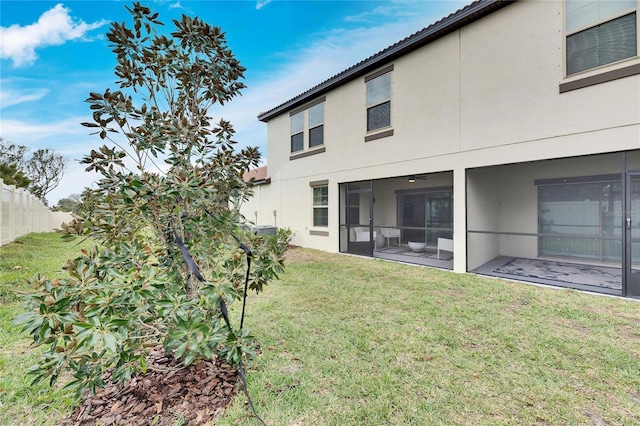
(297, 132)
(307, 127)
(599, 32)
(379, 100)
(316, 125)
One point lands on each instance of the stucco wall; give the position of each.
(485, 95)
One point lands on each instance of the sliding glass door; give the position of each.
(581, 220)
(439, 216)
(632, 225)
(426, 215)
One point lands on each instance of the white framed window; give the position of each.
(307, 126)
(316, 125)
(320, 205)
(297, 132)
(599, 32)
(379, 100)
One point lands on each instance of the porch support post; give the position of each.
(459, 220)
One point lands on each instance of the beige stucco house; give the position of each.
(503, 139)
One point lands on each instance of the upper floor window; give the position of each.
(599, 32)
(297, 132)
(379, 100)
(307, 127)
(316, 125)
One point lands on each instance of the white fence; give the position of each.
(22, 213)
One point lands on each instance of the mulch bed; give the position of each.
(163, 396)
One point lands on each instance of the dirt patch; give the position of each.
(163, 396)
(297, 255)
(595, 419)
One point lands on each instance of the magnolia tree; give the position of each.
(165, 216)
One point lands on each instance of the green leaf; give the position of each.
(110, 342)
(143, 364)
(118, 322)
(23, 318)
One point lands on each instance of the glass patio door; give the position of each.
(439, 216)
(632, 232)
(425, 216)
(413, 217)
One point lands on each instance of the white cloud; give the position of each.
(332, 52)
(9, 97)
(54, 27)
(262, 3)
(177, 5)
(43, 131)
(74, 181)
(408, 9)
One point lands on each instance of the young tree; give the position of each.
(43, 169)
(72, 203)
(11, 153)
(165, 213)
(10, 175)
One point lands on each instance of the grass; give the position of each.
(21, 403)
(353, 341)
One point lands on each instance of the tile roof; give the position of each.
(259, 175)
(468, 14)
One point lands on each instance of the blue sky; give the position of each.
(53, 53)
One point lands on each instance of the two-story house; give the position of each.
(503, 139)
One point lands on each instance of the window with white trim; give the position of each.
(307, 127)
(321, 205)
(379, 101)
(316, 125)
(599, 32)
(297, 132)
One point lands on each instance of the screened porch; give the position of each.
(406, 219)
(572, 222)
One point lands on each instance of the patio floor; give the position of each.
(403, 253)
(599, 278)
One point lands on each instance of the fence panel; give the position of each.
(22, 213)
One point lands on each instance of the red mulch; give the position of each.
(197, 394)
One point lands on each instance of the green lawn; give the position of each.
(355, 341)
(21, 403)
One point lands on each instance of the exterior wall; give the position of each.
(484, 95)
(259, 209)
(483, 214)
